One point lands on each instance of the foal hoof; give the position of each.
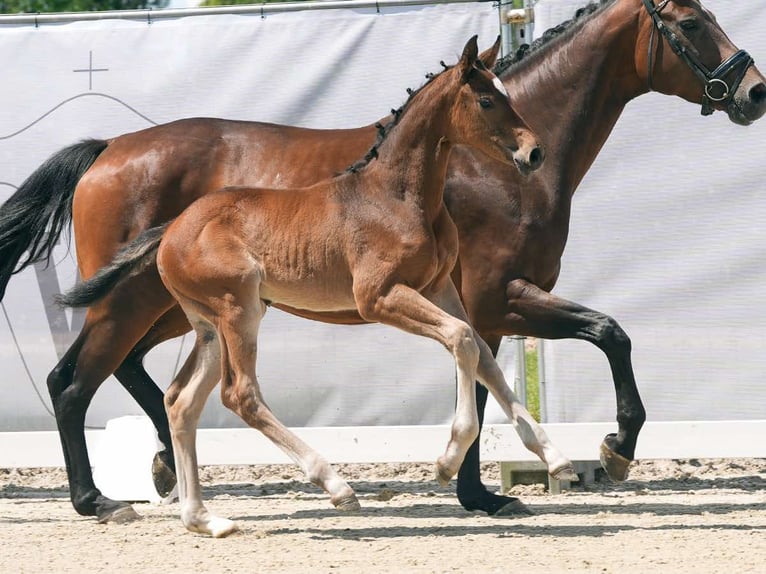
(566, 472)
(121, 514)
(348, 504)
(162, 475)
(615, 465)
(442, 475)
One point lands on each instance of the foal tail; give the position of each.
(35, 215)
(130, 260)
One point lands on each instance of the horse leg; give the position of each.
(537, 313)
(413, 312)
(490, 375)
(95, 354)
(184, 402)
(241, 393)
(134, 378)
(471, 492)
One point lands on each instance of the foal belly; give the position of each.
(310, 293)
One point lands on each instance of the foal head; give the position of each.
(483, 117)
(682, 50)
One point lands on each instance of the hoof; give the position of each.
(514, 509)
(348, 504)
(222, 527)
(163, 476)
(566, 472)
(615, 465)
(120, 515)
(442, 475)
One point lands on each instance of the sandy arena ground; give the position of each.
(701, 516)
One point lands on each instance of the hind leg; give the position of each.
(184, 402)
(240, 392)
(135, 379)
(105, 340)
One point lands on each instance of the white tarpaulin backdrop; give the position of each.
(334, 68)
(666, 229)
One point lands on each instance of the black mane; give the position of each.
(384, 130)
(505, 63)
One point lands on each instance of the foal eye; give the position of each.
(485, 102)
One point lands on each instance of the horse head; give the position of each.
(685, 52)
(485, 117)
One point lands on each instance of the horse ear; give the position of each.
(489, 56)
(469, 57)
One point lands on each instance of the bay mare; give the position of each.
(376, 241)
(571, 87)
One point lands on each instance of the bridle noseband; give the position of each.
(716, 88)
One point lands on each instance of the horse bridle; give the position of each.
(716, 88)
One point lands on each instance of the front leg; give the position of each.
(537, 313)
(471, 492)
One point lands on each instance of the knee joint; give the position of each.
(613, 337)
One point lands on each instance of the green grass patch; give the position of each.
(533, 384)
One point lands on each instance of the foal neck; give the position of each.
(412, 159)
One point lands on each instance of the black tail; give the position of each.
(130, 260)
(33, 218)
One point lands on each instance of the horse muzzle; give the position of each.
(748, 103)
(529, 159)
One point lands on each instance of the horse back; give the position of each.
(146, 178)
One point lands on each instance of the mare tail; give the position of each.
(130, 260)
(35, 215)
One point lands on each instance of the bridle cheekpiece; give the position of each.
(716, 88)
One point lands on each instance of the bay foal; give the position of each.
(376, 240)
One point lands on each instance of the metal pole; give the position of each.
(520, 380)
(516, 24)
(264, 8)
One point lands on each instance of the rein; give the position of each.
(716, 88)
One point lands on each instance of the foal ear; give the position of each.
(469, 58)
(489, 56)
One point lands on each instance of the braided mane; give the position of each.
(506, 63)
(384, 130)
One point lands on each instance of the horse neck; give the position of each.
(412, 159)
(586, 77)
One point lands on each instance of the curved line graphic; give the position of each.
(9, 184)
(24, 362)
(78, 96)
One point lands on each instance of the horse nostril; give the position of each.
(536, 157)
(758, 93)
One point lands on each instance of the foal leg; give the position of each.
(184, 402)
(240, 392)
(490, 375)
(531, 433)
(407, 309)
(471, 492)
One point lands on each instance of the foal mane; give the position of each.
(384, 130)
(510, 62)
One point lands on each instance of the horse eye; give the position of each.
(689, 25)
(485, 102)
